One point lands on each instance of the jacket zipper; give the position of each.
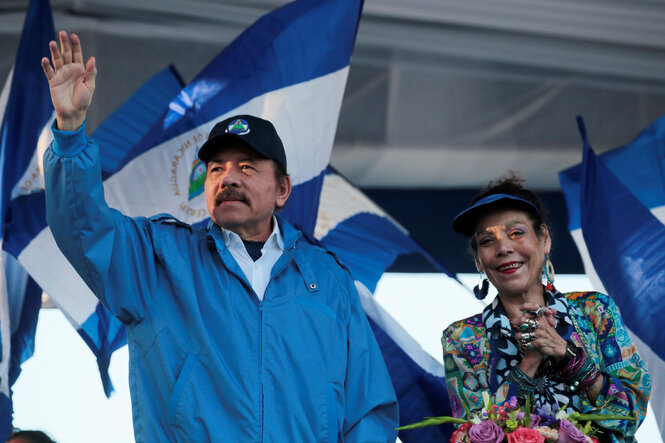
(261, 362)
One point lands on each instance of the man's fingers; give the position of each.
(77, 51)
(91, 73)
(65, 49)
(55, 55)
(48, 70)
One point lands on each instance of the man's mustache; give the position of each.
(231, 194)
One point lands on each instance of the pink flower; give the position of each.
(460, 434)
(568, 433)
(525, 435)
(486, 432)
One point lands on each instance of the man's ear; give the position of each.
(283, 191)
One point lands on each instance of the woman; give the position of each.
(533, 341)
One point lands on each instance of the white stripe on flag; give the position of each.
(590, 271)
(50, 269)
(32, 179)
(4, 95)
(5, 328)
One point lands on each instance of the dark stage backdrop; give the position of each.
(427, 214)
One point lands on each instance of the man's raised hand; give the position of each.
(71, 82)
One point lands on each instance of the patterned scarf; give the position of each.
(551, 389)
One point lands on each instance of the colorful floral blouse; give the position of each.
(479, 351)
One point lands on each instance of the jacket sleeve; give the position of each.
(627, 383)
(111, 252)
(466, 364)
(371, 411)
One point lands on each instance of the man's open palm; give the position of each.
(72, 83)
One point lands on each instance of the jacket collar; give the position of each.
(289, 237)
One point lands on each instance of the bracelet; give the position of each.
(571, 352)
(527, 385)
(580, 372)
(573, 368)
(590, 379)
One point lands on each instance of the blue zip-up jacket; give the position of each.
(208, 361)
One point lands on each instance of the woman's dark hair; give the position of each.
(511, 184)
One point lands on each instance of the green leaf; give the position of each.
(600, 417)
(526, 421)
(433, 421)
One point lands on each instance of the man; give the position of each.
(240, 332)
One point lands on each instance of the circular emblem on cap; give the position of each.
(238, 127)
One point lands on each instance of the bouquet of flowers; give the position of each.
(509, 423)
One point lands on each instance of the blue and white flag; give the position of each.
(25, 114)
(368, 241)
(290, 67)
(616, 208)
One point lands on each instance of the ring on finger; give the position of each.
(524, 345)
(529, 325)
(527, 337)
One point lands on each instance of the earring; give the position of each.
(548, 272)
(482, 288)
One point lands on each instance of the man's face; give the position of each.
(242, 191)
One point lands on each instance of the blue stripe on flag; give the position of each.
(29, 104)
(639, 165)
(6, 412)
(301, 208)
(26, 217)
(627, 246)
(103, 333)
(23, 337)
(27, 111)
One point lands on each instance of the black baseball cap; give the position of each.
(255, 132)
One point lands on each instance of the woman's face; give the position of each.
(510, 252)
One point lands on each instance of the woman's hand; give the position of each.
(536, 334)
